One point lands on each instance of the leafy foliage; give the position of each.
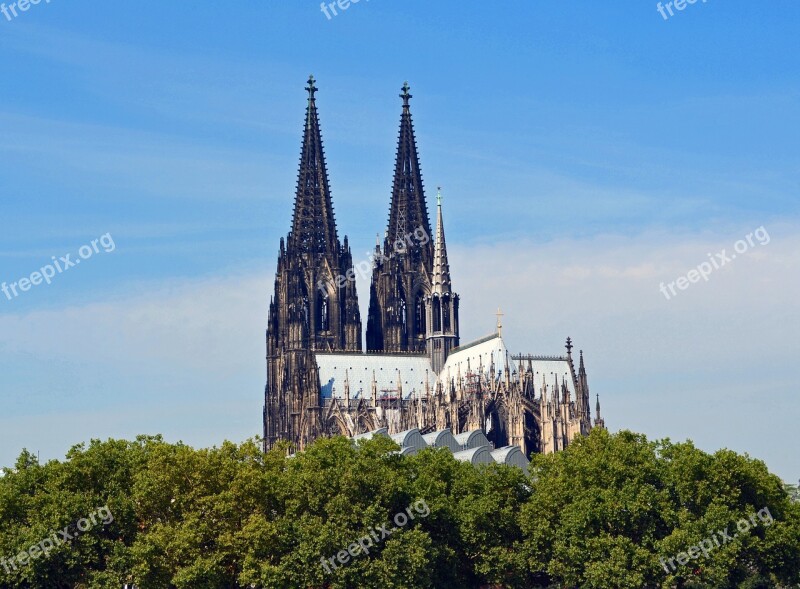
(603, 513)
(793, 491)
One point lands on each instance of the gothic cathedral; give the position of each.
(415, 372)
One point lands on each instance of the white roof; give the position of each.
(382, 431)
(410, 437)
(414, 370)
(411, 442)
(548, 371)
(480, 353)
(480, 455)
(472, 439)
(442, 439)
(359, 369)
(511, 455)
(476, 354)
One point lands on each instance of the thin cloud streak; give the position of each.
(688, 367)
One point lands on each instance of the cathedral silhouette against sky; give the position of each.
(415, 372)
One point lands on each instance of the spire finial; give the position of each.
(499, 314)
(569, 346)
(405, 95)
(311, 88)
(438, 196)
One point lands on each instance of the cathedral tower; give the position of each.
(442, 320)
(315, 307)
(401, 277)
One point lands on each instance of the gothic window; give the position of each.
(323, 312)
(402, 307)
(420, 313)
(403, 315)
(437, 314)
(446, 314)
(305, 304)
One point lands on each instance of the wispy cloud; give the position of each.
(186, 357)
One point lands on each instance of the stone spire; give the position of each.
(599, 421)
(442, 333)
(401, 277)
(583, 390)
(409, 211)
(310, 310)
(441, 268)
(313, 222)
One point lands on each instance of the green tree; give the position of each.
(614, 508)
(604, 513)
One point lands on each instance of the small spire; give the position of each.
(441, 267)
(597, 407)
(569, 346)
(556, 400)
(499, 315)
(544, 392)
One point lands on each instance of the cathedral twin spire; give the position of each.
(312, 309)
(408, 212)
(412, 307)
(313, 222)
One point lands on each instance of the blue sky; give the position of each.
(588, 152)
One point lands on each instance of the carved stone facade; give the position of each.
(415, 373)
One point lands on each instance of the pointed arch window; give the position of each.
(323, 312)
(420, 314)
(403, 315)
(402, 308)
(305, 314)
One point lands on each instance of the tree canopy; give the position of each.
(610, 511)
